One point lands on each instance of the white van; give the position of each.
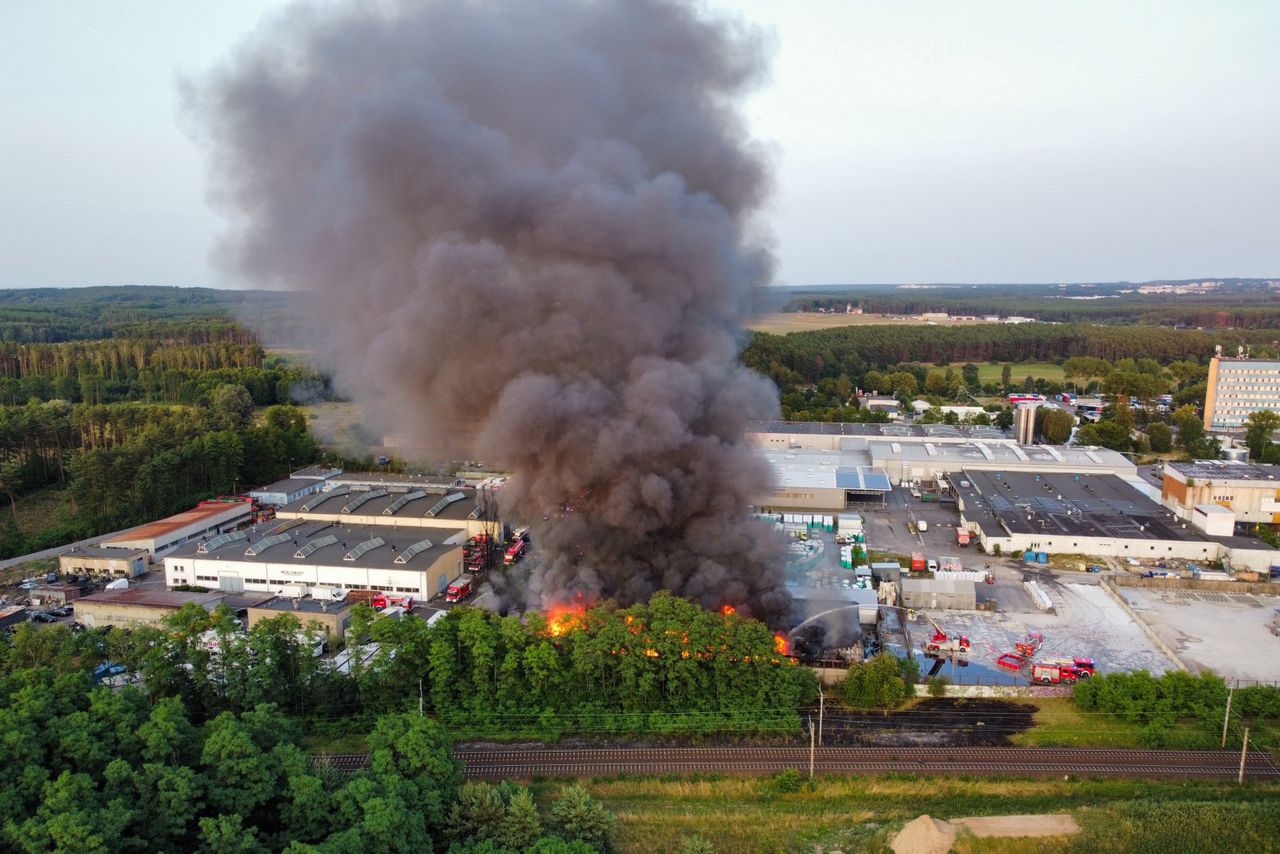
(922, 526)
(931, 565)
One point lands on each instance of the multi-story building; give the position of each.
(1237, 388)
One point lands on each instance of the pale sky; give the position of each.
(915, 141)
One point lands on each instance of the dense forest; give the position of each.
(1236, 304)
(99, 769)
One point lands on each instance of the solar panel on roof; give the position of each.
(394, 506)
(315, 544)
(417, 548)
(322, 498)
(220, 541)
(362, 498)
(367, 545)
(445, 502)
(266, 543)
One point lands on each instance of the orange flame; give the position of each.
(780, 644)
(728, 610)
(562, 619)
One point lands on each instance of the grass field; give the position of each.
(989, 372)
(1058, 723)
(863, 813)
(795, 321)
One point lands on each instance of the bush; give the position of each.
(788, 782)
(875, 684)
(937, 686)
(696, 845)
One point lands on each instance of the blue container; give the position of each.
(1029, 556)
(1042, 557)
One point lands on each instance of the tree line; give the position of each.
(100, 770)
(130, 463)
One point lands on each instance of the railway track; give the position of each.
(746, 761)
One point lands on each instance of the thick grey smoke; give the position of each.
(529, 224)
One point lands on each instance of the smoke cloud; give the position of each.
(529, 226)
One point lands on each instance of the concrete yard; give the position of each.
(1088, 623)
(1223, 632)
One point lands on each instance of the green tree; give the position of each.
(1259, 429)
(521, 825)
(477, 815)
(576, 815)
(874, 684)
(231, 406)
(1160, 436)
(1006, 376)
(1055, 425)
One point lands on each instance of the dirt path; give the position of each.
(1019, 825)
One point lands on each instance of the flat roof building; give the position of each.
(288, 490)
(331, 616)
(209, 518)
(1062, 512)
(137, 606)
(1250, 490)
(98, 560)
(1237, 388)
(947, 594)
(300, 557)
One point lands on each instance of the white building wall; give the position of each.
(299, 579)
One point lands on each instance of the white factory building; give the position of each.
(1251, 491)
(298, 558)
(210, 518)
(834, 466)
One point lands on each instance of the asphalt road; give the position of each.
(522, 763)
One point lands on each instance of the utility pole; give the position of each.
(822, 702)
(811, 751)
(1227, 716)
(1244, 751)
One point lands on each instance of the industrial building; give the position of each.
(1237, 388)
(286, 491)
(301, 557)
(330, 616)
(428, 505)
(46, 595)
(1250, 490)
(933, 594)
(133, 607)
(95, 560)
(1064, 512)
(209, 519)
(813, 460)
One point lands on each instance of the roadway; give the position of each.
(525, 763)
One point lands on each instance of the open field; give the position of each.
(781, 323)
(41, 509)
(989, 372)
(1059, 723)
(863, 813)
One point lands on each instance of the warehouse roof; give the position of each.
(938, 585)
(389, 479)
(116, 553)
(1226, 470)
(149, 598)
(824, 470)
(289, 484)
(307, 543)
(987, 454)
(305, 606)
(384, 503)
(1061, 503)
(205, 513)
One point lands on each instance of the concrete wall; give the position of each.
(1262, 587)
(1015, 544)
(99, 614)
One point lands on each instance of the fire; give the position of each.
(562, 619)
(728, 610)
(780, 644)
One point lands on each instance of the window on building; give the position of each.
(406, 590)
(206, 578)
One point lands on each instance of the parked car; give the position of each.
(62, 611)
(1093, 567)
(42, 617)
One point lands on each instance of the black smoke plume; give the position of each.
(530, 225)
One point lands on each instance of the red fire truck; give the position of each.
(515, 551)
(459, 589)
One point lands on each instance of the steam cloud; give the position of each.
(530, 223)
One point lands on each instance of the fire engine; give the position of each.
(1082, 667)
(515, 552)
(941, 642)
(1052, 673)
(459, 589)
